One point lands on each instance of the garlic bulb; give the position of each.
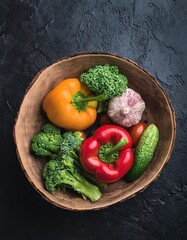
(126, 110)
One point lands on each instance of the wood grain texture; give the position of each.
(31, 118)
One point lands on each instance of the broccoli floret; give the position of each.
(64, 173)
(51, 128)
(71, 141)
(51, 175)
(105, 81)
(47, 142)
(70, 146)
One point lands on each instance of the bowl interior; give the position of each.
(31, 118)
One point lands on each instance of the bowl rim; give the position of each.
(140, 189)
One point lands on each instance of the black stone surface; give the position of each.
(33, 34)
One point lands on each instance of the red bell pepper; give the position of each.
(107, 154)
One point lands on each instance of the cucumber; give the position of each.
(144, 152)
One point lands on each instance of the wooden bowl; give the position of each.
(31, 118)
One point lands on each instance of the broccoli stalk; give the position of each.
(105, 81)
(62, 174)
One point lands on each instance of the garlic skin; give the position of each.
(126, 110)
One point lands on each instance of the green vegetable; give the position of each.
(144, 152)
(63, 174)
(47, 142)
(63, 170)
(105, 81)
(70, 145)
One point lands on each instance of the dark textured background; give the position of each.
(33, 34)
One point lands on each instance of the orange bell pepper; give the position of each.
(64, 109)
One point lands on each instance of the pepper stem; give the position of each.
(101, 97)
(114, 149)
(109, 153)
